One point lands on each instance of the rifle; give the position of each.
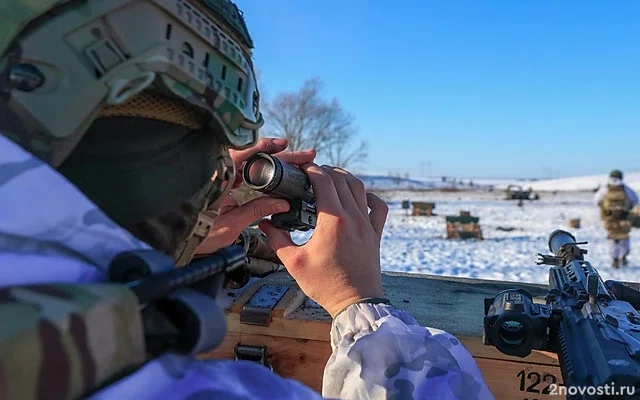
(102, 332)
(596, 335)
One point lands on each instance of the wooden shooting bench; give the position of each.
(463, 226)
(271, 321)
(423, 208)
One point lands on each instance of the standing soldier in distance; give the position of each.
(616, 200)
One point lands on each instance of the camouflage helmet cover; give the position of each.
(63, 61)
(616, 173)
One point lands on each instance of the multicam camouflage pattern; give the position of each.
(15, 16)
(57, 76)
(616, 201)
(62, 341)
(409, 361)
(614, 211)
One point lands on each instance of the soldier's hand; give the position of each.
(340, 264)
(233, 218)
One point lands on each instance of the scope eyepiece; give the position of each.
(514, 324)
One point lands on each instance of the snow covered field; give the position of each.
(418, 244)
(580, 183)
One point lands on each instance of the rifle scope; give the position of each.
(513, 323)
(269, 175)
(558, 238)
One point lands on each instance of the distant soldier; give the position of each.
(616, 201)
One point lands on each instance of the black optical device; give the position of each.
(275, 178)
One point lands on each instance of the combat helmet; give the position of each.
(64, 63)
(135, 102)
(616, 173)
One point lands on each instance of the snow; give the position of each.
(379, 182)
(585, 183)
(418, 244)
(580, 183)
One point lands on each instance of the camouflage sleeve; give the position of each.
(380, 352)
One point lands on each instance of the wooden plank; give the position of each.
(451, 304)
(462, 219)
(475, 347)
(299, 334)
(303, 360)
(319, 330)
(424, 204)
(282, 327)
(510, 380)
(455, 305)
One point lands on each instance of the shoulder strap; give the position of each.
(223, 180)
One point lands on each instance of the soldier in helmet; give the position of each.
(616, 200)
(122, 126)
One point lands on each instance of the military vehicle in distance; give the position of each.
(515, 192)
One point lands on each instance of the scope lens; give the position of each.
(512, 333)
(261, 172)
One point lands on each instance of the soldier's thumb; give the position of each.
(280, 242)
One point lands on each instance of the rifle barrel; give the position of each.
(154, 287)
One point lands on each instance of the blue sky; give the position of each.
(467, 88)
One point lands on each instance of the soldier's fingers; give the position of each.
(342, 188)
(324, 189)
(264, 145)
(378, 214)
(297, 157)
(356, 186)
(227, 227)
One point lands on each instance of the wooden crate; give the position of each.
(297, 337)
(423, 208)
(463, 226)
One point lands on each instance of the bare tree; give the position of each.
(342, 152)
(307, 120)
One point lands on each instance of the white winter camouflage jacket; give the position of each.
(50, 232)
